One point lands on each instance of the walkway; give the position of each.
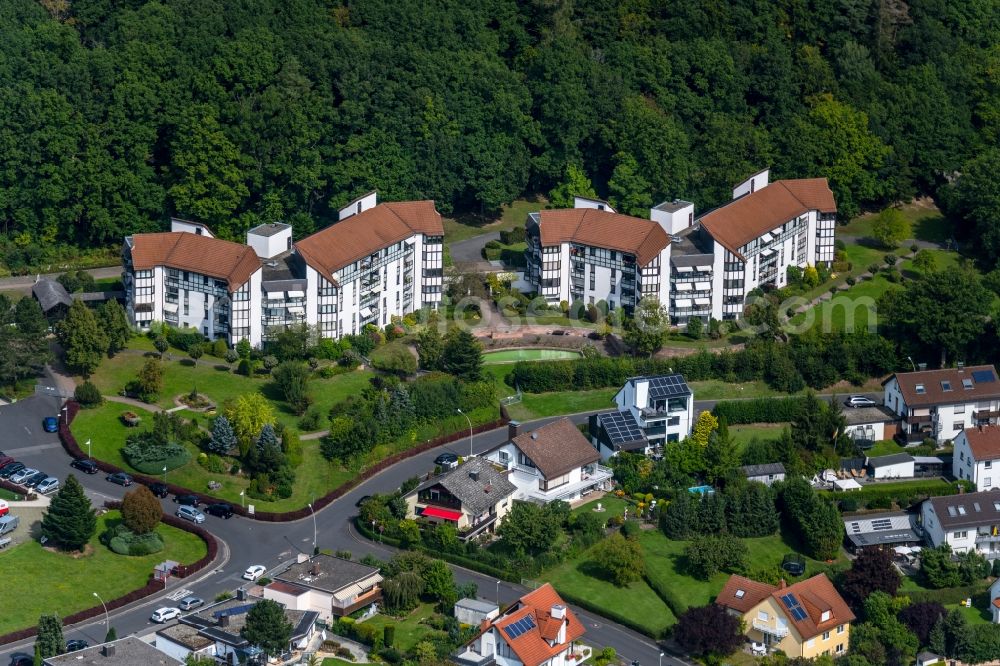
(132, 402)
(470, 250)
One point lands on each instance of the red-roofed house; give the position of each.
(807, 619)
(538, 629)
(977, 456)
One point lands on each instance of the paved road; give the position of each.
(24, 282)
(469, 251)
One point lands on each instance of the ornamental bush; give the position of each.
(88, 395)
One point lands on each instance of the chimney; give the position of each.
(558, 611)
(224, 621)
(108, 650)
(921, 366)
(534, 435)
(474, 476)
(782, 584)
(961, 366)
(513, 429)
(314, 569)
(241, 594)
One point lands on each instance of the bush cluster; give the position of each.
(758, 410)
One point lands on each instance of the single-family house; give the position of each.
(553, 462)
(474, 497)
(969, 521)
(767, 474)
(214, 631)
(977, 456)
(474, 611)
(808, 619)
(652, 411)
(893, 466)
(128, 651)
(939, 404)
(538, 629)
(887, 529)
(52, 297)
(926, 658)
(331, 586)
(867, 425)
(995, 601)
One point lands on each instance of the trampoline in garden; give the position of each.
(794, 564)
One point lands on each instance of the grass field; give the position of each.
(855, 309)
(515, 355)
(333, 661)
(885, 447)
(43, 581)
(410, 630)
(927, 221)
(467, 226)
(713, 389)
(742, 434)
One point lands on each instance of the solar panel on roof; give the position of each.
(515, 629)
(666, 386)
(621, 427)
(983, 376)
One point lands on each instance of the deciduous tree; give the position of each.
(708, 630)
(890, 228)
(292, 379)
(248, 415)
(647, 331)
(141, 511)
(871, 571)
(620, 559)
(82, 339)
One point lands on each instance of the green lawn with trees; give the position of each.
(48, 580)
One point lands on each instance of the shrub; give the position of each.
(851, 281)
(219, 348)
(231, 356)
(891, 259)
(88, 395)
(493, 245)
(512, 236)
(874, 268)
(311, 421)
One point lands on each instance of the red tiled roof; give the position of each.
(358, 236)
(751, 216)
(600, 228)
(532, 647)
(182, 250)
(816, 594)
(934, 393)
(753, 593)
(557, 448)
(984, 442)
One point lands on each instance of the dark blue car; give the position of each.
(50, 423)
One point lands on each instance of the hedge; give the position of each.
(947, 595)
(667, 595)
(759, 410)
(73, 449)
(515, 235)
(903, 493)
(152, 587)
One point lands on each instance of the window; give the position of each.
(761, 615)
(811, 642)
(986, 481)
(740, 594)
(958, 425)
(839, 648)
(593, 277)
(840, 629)
(945, 385)
(988, 464)
(961, 455)
(959, 535)
(920, 389)
(959, 409)
(826, 635)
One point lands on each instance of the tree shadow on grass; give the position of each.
(189, 362)
(934, 229)
(593, 570)
(221, 368)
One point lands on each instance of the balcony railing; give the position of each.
(923, 418)
(985, 414)
(470, 658)
(779, 631)
(987, 538)
(478, 528)
(424, 498)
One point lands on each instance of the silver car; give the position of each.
(49, 485)
(859, 401)
(190, 513)
(190, 603)
(23, 475)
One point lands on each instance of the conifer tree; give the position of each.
(70, 521)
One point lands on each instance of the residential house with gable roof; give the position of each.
(652, 411)
(474, 497)
(977, 456)
(553, 462)
(376, 262)
(940, 404)
(807, 619)
(968, 521)
(538, 629)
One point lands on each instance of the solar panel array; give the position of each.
(983, 376)
(792, 604)
(666, 386)
(515, 629)
(621, 427)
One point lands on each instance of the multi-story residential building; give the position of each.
(377, 262)
(977, 457)
(808, 619)
(538, 630)
(474, 497)
(940, 404)
(702, 267)
(331, 586)
(652, 411)
(554, 462)
(966, 522)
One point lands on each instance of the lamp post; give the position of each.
(498, 594)
(313, 512)
(470, 429)
(89, 454)
(65, 415)
(241, 500)
(164, 474)
(107, 621)
(661, 659)
(912, 364)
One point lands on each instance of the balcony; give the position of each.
(764, 627)
(470, 658)
(426, 498)
(924, 418)
(987, 538)
(590, 481)
(985, 414)
(477, 529)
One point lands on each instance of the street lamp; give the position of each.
(498, 594)
(470, 429)
(89, 455)
(65, 415)
(164, 474)
(661, 659)
(241, 500)
(912, 364)
(107, 621)
(314, 525)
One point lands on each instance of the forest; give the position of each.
(116, 114)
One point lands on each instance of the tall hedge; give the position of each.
(759, 410)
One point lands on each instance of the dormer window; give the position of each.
(825, 616)
(920, 389)
(945, 385)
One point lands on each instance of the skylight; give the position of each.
(740, 594)
(945, 385)
(975, 505)
(961, 510)
(920, 389)
(967, 384)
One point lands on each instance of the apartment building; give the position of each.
(940, 404)
(378, 261)
(700, 267)
(966, 522)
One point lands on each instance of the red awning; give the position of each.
(434, 512)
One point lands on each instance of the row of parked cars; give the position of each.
(27, 477)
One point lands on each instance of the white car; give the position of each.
(254, 572)
(165, 614)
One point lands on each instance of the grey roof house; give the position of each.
(766, 474)
(128, 651)
(331, 586)
(51, 295)
(890, 528)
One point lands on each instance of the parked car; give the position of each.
(165, 614)
(190, 513)
(35, 479)
(447, 460)
(22, 476)
(220, 510)
(21, 659)
(4, 508)
(9, 523)
(187, 500)
(5, 460)
(48, 485)
(254, 572)
(85, 465)
(76, 644)
(190, 603)
(120, 478)
(50, 423)
(159, 489)
(11, 469)
(860, 401)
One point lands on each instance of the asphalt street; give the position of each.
(245, 542)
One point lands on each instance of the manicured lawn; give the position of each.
(333, 661)
(713, 389)
(409, 630)
(7, 495)
(885, 447)
(43, 581)
(217, 382)
(972, 614)
(313, 478)
(539, 405)
(857, 306)
(611, 505)
(928, 224)
(512, 215)
(742, 434)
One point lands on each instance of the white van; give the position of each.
(9, 523)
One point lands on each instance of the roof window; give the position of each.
(967, 384)
(945, 385)
(920, 389)
(740, 594)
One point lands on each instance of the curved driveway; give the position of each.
(246, 542)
